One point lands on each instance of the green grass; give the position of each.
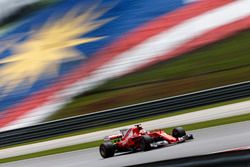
(217, 122)
(131, 122)
(222, 63)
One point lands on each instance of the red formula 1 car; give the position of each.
(137, 139)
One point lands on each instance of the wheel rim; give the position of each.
(102, 150)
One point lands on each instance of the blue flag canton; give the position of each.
(58, 39)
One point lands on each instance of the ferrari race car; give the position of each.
(137, 139)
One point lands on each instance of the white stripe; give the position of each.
(155, 46)
(170, 40)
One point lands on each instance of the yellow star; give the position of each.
(48, 47)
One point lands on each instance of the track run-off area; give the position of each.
(225, 111)
(208, 140)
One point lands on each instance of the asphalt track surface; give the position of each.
(206, 141)
(174, 121)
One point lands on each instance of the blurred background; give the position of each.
(64, 58)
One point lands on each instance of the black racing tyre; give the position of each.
(178, 132)
(145, 143)
(107, 149)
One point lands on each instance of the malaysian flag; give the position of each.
(72, 46)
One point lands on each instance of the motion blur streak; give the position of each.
(108, 58)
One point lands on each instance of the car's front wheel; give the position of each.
(107, 149)
(178, 132)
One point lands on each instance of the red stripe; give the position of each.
(128, 41)
(204, 39)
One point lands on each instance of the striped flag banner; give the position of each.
(73, 46)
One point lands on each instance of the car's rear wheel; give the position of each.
(178, 132)
(107, 149)
(145, 143)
